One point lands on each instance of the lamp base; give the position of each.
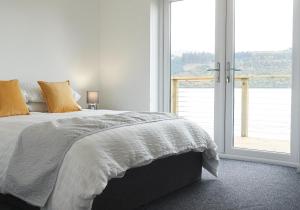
(92, 106)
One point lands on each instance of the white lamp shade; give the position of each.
(93, 97)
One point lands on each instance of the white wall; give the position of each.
(50, 40)
(97, 44)
(125, 54)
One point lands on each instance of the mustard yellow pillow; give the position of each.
(58, 97)
(12, 101)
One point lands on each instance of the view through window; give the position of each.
(192, 54)
(263, 53)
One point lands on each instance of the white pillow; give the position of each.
(25, 96)
(76, 95)
(32, 93)
(37, 107)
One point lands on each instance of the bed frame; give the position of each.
(140, 185)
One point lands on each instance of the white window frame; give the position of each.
(166, 52)
(164, 84)
(291, 159)
(219, 57)
(295, 131)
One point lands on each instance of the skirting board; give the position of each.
(260, 160)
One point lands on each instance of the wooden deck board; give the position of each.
(282, 146)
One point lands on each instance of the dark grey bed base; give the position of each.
(140, 185)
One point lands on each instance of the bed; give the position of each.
(140, 183)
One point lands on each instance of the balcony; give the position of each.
(262, 115)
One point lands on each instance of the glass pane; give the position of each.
(192, 54)
(263, 52)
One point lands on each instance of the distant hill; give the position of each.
(251, 63)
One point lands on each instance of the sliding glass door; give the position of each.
(231, 67)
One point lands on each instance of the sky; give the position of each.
(260, 25)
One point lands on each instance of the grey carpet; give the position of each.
(240, 185)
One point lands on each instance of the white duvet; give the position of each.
(81, 173)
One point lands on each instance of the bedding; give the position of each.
(37, 107)
(113, 151)
(58, 96)
(12, 101)
(25, 96)
(32, 93)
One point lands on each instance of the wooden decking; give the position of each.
(281, 146)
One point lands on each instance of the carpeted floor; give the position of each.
(240, 185)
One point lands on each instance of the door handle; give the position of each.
(217, 70)
(228, 72)
(233, 69)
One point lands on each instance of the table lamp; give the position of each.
(92, 99)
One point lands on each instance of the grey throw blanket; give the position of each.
(34, 166)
